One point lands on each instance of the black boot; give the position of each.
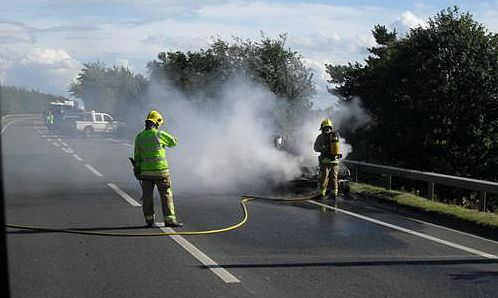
(173, 223)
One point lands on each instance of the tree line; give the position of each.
(202, 75)
(20, 100)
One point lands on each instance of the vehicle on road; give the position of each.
(91, 123)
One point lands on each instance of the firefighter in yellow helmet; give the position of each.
(327, 144)
(151, 167)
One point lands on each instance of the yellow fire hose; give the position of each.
(243, 203)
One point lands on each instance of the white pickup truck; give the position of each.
(91, 123)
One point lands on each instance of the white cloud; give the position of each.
(48, 56)
(50, 70)
(322, 33)
(11, 32)
(407, 21)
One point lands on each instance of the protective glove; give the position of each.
(136, 169)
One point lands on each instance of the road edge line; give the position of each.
(408, 231)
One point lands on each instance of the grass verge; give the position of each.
(425, 205)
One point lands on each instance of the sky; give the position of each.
(43, 44)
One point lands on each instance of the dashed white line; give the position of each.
(408, 231)
(77, 157)
(222, 273)
(64, 144)
(124, 195)
(67, 150)
(56, 144)
(93, 170)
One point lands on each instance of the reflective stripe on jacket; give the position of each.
(150, 156)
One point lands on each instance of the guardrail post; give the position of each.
(482, 200)
(355, 174)
(389, 181)
(430, 190)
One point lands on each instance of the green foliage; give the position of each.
(110, 89)
(414, 201)
(267, 62)
(382, 35)
(432, 95)
(17, 100)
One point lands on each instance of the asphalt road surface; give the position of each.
(347, 249)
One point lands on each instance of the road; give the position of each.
(309, 249)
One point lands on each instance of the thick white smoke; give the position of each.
(224, 147)
(350, 115)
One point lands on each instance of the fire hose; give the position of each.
(245, 199)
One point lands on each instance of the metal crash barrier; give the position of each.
(482, 186)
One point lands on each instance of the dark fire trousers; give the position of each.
(166, 194)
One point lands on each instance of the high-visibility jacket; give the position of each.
(50, 119)
(150, 155)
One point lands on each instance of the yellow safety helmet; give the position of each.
(155, 117)
(326, 123)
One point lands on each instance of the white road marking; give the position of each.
(408, 231)
(7, 125)
(222, 273)
(77, 157)
(449, 229)
(124, 195)
(114, 140)
(93, 170)
(437, 226)
(64, 144)
(121, 142)
(67, 150)
(56, 144)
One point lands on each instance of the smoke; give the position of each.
(226, 145)
(347, 117)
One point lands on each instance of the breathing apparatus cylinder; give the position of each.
(334, 144)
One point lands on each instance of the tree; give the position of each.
(111, 89)
(432, 95)
(267, 62)
(19, 100)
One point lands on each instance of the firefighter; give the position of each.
(327, 144)
(50, 120)
(151, 167)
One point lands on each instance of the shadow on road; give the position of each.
(479, 276)
(360, 264)
(91, 229)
